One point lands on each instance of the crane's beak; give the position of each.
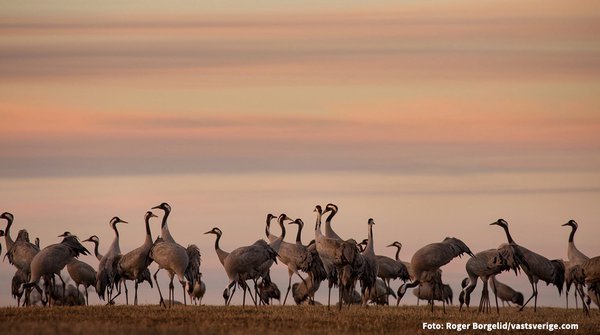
(566, 224)
(209, 232)
(494, 224)
(156, 207)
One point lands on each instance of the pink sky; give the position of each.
(433, 117)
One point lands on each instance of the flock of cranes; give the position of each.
(343, 263)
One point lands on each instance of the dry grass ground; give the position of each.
(270, 320)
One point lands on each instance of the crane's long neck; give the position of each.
(268, 227)
(299, 233)
(282, 225)
(276, 243)
(148, 240)
(115, 247)
(369, 248)
(318, 222)
(221, 254)
(328, 230)
(318, 232)
(572, 235)
(96, 251)
(166, 234)
(508, 237)
(397, 251)
(7, 238)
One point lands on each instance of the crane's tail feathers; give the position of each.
(558, 278)
(192, 272)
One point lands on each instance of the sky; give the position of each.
(433, 117)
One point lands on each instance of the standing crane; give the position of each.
(427, 261)
(107, 275)
(243, 263)
(175, 259)
(575, 258)
(368, 275)
(132, 265)
(335, 253)
(536, 266)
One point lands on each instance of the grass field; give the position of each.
(272, 320)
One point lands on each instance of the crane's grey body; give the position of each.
(505, 292)
(425, 292)
(380, 293)
(21, 252)
(82, 274)
(197, 291)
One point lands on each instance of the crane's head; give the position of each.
(283, 217)
(571, 223)
(164, 206)
(318, 209)
(298, 221)
(396, 244)
(331, 208)
(116, 220)
(149, 215)
(270, 218)
(7, 216)
(371, 222)
(65, 234)
(215, 231)
(500, 222)
(92, 238)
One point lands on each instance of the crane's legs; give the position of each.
(184, 298)
(162, 301)
(534, 287)
(496, 298)
(87, 299)
(135, 300)
(586, 310)
(484, 303)
(230, 294)
(288, 288)
(126, 292)
(171, 293)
